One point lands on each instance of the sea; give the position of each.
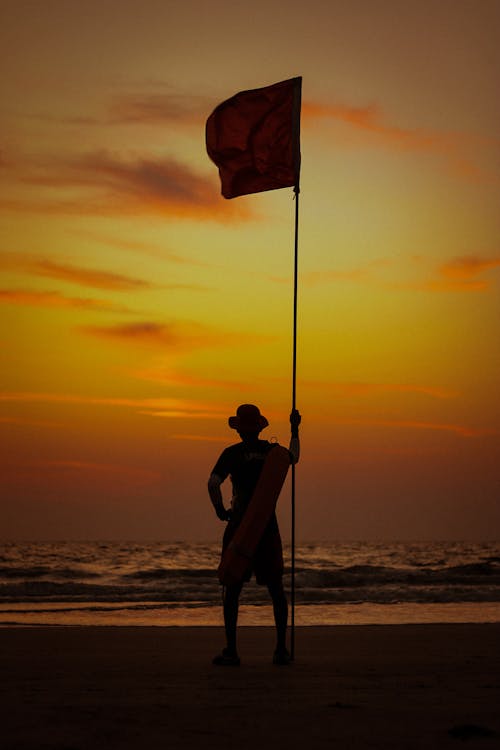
(175, 584)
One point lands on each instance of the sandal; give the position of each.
(281, 657)
(227, 659)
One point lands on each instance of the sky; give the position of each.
(139, 308)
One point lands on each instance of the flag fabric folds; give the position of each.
(254, 139)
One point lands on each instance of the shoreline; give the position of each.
(378, 686)
(154, 614)
(269, 628)
(152, 626)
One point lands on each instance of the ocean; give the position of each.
(166, 583)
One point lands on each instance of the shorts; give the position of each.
(267, 562)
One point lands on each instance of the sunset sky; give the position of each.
(139, 307)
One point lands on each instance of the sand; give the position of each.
(396, 686)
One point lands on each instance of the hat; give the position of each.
(248, 419)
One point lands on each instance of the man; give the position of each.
(243, 462)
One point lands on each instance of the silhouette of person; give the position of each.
(243, 462)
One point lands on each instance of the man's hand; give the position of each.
(222, 513)
(295, 420)
(215, 493)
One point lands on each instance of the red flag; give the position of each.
(254, 139)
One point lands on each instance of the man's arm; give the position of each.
(215, 493)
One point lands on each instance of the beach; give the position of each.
(389, 686)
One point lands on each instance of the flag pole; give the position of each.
(294, 405)
(297, 102)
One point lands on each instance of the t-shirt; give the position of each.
(243, 462)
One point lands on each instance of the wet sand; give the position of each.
(395, 686)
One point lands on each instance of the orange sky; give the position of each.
(139, 308)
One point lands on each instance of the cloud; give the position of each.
(179, 407)
(372, 122)
(459, 274)
(359, 274)
(144, 333)
(22, 422)
(161, 371)
(179, 335)
(92, 277)
(369, 389)
(90, 469)
(89, 276)
(159, 109)
(104, 183)
(181, 414)
(139, 108)
(56, 300)
(199, 438)
(144, 248)
(462, 272)
(78, 120)
(461, 430)
(356, 388)
(371, 119)
(469, 266)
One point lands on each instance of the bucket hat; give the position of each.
(248, 419)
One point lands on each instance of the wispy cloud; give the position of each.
(23, 422)
(369, 389)
(183, 408)
(459, 274)
(457, 149)
(182, 414)
(361, 273)
(159, 109)
(105, 183)
(181, 335)
(144, 248)
(144, 333)
(84, 276)
(462, 274)
(163, 372)
(199, 438)
(371, 119)
(469, 266)
(362, 389)
(462, 430)
(57, 300)
(91, 469)
(92, 277)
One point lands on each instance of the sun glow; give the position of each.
(139, 308)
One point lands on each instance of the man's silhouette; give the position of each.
(243, 462)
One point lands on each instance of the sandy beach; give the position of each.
(415, 686)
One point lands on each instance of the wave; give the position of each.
(39, 571)
(166, 575)
(309, 588)
(256, 596)
(361, 575)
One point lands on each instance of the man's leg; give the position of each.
(231, 603)
(280, 609)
